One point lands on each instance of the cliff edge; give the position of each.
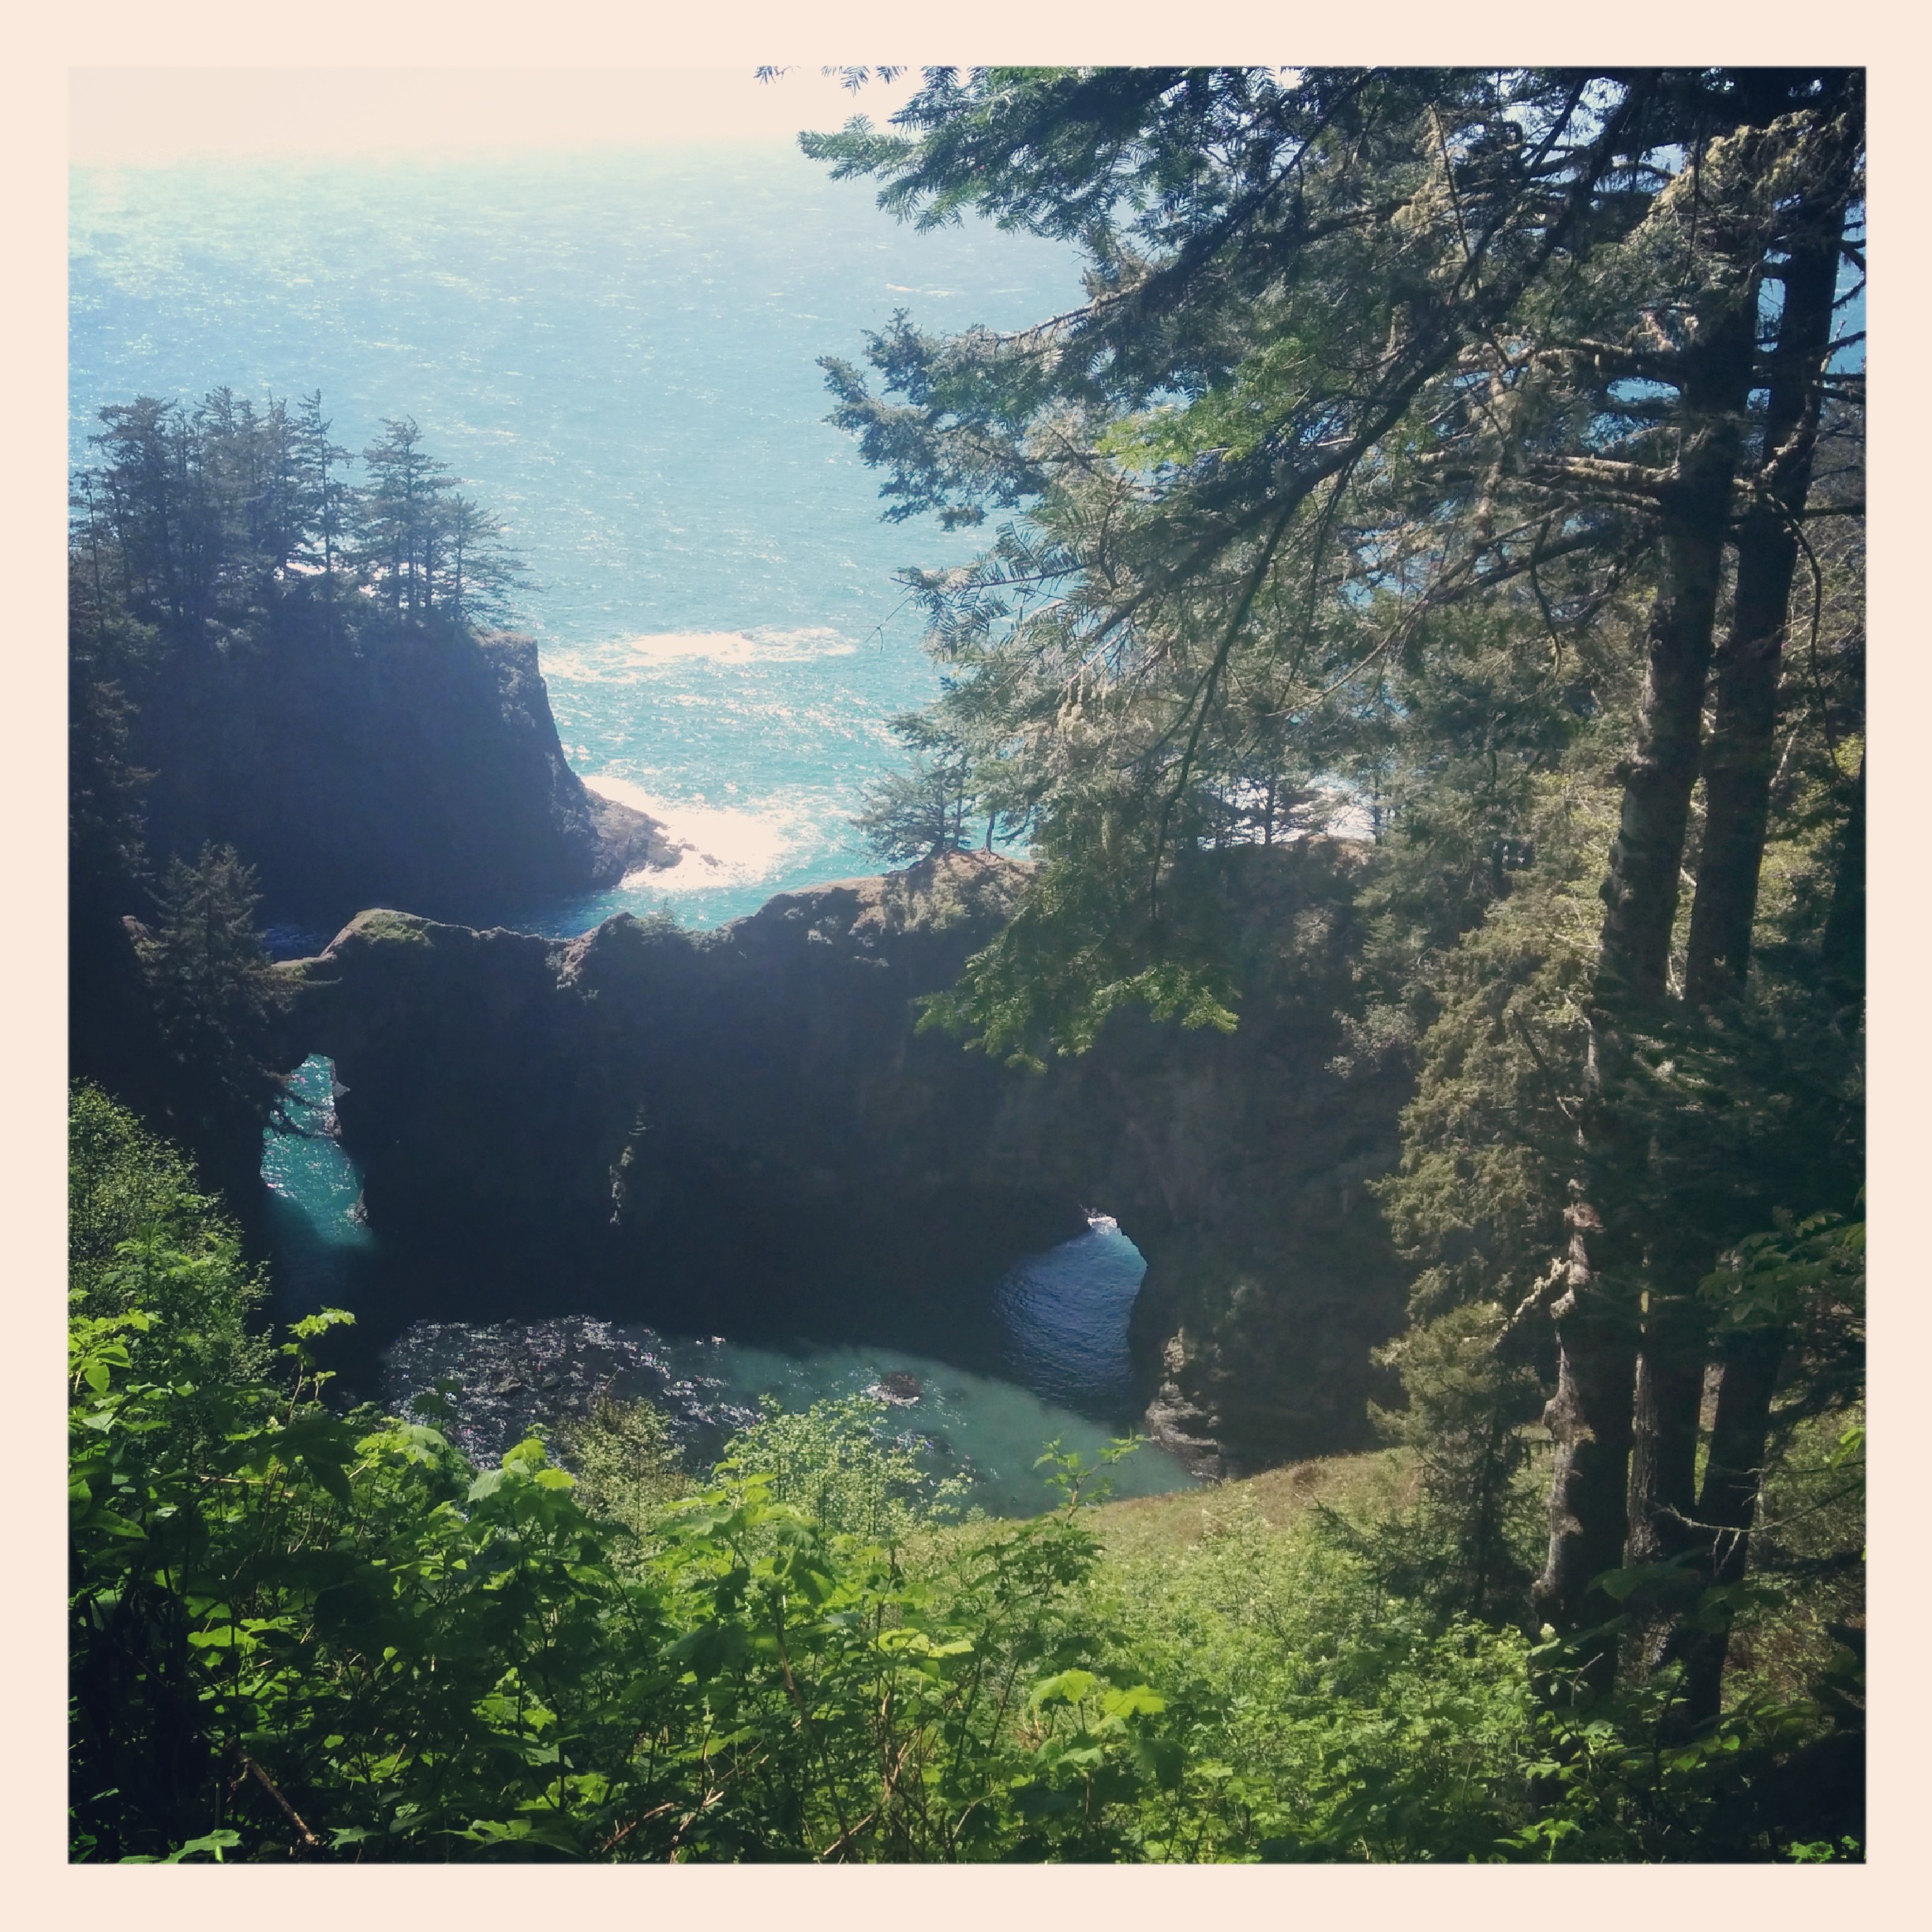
(419, 768)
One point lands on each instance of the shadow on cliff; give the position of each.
(740, 1131)
(413, 764)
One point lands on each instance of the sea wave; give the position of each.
(724, 844)
(760, 646)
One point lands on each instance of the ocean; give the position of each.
(617, 352)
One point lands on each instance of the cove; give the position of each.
(1064, 1373)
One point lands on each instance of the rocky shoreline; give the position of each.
(515, 1378)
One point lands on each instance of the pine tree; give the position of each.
(325, 497)
(402, 516)
(218, 1002)
(481, 575)
(1466, 1406)
(921, 809)
(1361, 348)
(915, 813)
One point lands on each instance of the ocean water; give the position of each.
(1062, 1314)
(617, 351)
(512, 1379)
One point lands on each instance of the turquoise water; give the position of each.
(997, 1428)
(512, 1378)
(314, 1221)
(618, 351)
(1062, 1314)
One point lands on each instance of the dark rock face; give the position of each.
(741, 1132)
(418, 768)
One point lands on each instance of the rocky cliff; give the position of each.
(741, 1130)
(415, 767)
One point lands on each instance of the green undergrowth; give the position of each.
(299, 1634)
(393, 928)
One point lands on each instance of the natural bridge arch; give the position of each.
(741, 1130)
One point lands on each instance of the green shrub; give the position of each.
(295, 1633)
(839, 1463)
(628, 1466)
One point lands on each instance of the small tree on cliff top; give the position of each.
(921, 809)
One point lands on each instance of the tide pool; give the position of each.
(512, 1378)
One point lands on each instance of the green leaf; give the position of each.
(710, 1650)
(1070, 1686)
(212, 1846)
(311, 1326)
(1163, 1760)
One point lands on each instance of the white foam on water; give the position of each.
(726, 845)
(765, 645)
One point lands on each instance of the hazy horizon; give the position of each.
(153, 116)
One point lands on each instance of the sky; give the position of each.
(133, 116)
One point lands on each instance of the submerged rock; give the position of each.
(502, 1382)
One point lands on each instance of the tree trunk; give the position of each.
(1845, 925)
(1663, 1511)
(1589, 1419)
(1592, 1414)
(1740, 760)
(1646, 859)
(1669, 1398)
(1726, 1508)
(1743, 753)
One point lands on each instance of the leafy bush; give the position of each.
(327, 1640)
(839, 1463)
(296, 1634)
(627, 1464)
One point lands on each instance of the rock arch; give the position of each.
(742, 1130)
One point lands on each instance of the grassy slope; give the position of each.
(1150, 1527)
